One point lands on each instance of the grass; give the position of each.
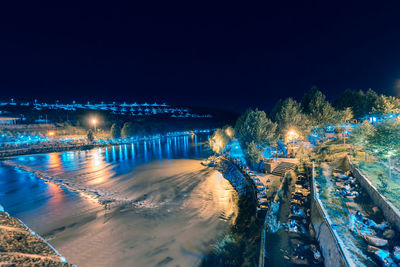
(372, 169)
(331, 151)
(369, 166)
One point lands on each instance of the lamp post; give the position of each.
(365, 151)
(292, 137)
(390, 153)
(94, 122)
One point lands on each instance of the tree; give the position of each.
(387, 105)
(240, 122)
(320, 111)
(253, 154)
(342, 119)
(115, 131)
(289, 118)
(127, 130)
(371, 97)
(361, 103)
(307, 98)
(362, 133)
(218, 140)
(90, 135)
(385, 142)
(303, 154)
(254, 126)
(229, 131)
(345, 115)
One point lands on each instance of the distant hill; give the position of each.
(152, 117)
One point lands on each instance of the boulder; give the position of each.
(396, 253)
(375, 210)
(389, 234)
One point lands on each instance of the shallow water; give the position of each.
(169, 211)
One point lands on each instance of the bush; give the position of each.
(90, 135)
(115, 131)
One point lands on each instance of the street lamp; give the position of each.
(94, 122)
(390, 153)
(292, 136)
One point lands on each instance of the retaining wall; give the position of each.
(331, 246)
(327, 242)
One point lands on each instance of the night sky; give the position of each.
(192, 53)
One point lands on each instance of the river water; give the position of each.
(167, 209)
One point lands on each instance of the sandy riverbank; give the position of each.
(21, 247)
(241, 245)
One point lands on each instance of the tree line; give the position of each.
(290, 119)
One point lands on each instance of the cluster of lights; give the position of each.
(134, 109)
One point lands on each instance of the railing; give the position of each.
(328, 222)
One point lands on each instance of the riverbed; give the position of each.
(166, 209)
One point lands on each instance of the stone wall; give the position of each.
(236, 178)
(391, 213)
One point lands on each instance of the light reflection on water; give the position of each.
(181, 206)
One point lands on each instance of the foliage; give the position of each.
(344, 115)
(362, 133)
(319, 110)
(373, 170)
(115, 131)
(128, 130)
(361, 103)
(289, 117)
(383, 184)
(90, 135)
(303, 154)
(229, 131)
(240, 122)
(385, 140)
(253, 154)
(387, 105)
(218, 140)
(254, 126)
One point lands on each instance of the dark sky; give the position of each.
(194, 53)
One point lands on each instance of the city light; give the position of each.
(51, 133)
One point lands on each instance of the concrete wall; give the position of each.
(329, 248)
(391, 213)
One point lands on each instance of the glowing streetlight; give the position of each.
(292, 136)
(94, 122)
(51, 133)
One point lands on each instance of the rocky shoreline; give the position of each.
(20, 246)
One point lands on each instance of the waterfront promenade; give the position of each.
(59, 146)
(36, 149)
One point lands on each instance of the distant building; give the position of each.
(9, 120)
